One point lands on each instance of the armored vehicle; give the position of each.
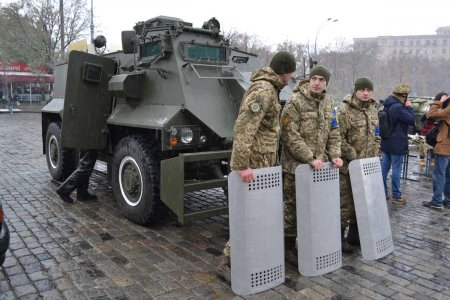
(161, 112)
(421, 106)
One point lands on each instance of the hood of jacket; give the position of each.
(304, 88)
(267, 74)
(391, 100)
(353, 102)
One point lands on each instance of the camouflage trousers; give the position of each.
(348, 214)
(290, 207)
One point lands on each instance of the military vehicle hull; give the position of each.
(161, 112)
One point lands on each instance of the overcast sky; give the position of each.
(295, 20)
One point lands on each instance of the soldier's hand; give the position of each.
(337, 162)
(317, 164)
(247, 175)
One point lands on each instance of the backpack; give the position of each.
(384, 124)
(431, 136)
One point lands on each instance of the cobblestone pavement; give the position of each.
(89, 251)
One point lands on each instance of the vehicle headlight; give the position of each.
(186, 135)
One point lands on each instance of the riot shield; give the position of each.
(256, 231)
(318, 219)
(371, 208)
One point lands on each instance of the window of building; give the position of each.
(444, 42)
(427, 42)
(402, 43)
(395, 43)
(411, 43)
(434, 42)
(417, 51)
(418, 43)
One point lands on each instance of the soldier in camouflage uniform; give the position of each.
(309, 135)
(257, 128)
(357, 122)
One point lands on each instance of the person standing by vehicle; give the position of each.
(257, 128)
(9, 102)
(79, 179)
(394, 148)
(357, 122)
(309, 135)
(440, 110)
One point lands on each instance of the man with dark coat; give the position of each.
(394, 148)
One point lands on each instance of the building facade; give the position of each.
(432, 46)
(17, 78)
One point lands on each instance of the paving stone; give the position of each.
(90, 251)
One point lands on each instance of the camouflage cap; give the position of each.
(402, 88)
(283, 62)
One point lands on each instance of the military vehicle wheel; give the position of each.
(61, 162)
(135, 179)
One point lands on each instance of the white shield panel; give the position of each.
(256, 231)
(318, 219)
(371, 208)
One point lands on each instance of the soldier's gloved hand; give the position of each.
(317, 164)
(337, 162)
(247, 175)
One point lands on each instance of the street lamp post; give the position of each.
(317, 34)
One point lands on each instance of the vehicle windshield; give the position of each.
(150, 49)
(206, 53)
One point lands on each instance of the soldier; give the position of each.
(394, 148)
(257, 128)
(357, 122)
(309, 135)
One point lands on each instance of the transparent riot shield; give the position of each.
(371, 208)
(318, 219)
(256, 231)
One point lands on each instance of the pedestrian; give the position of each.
(79, 179)
(357, 123)
(394, 148)
(309, 135)
(257, 128)
(440, 110)
(10, 104)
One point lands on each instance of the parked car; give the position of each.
(4, 235)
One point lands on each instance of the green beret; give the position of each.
(321, 71)
(283, 62)
(363, 83)
(402, 88)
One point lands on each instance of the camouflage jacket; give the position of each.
(257, 128)
(309, 129)
(357, 123)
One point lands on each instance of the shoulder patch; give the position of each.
(255, 107)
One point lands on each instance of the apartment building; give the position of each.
(432, 46)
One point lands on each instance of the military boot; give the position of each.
(346, 247)
(353, 234)
(67, 187)
(290, 250)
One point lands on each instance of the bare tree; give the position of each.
(32, 29)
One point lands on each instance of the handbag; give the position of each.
(431, 136)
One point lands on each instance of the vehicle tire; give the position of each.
(135, 179)
(61, 162)
(2, 259)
